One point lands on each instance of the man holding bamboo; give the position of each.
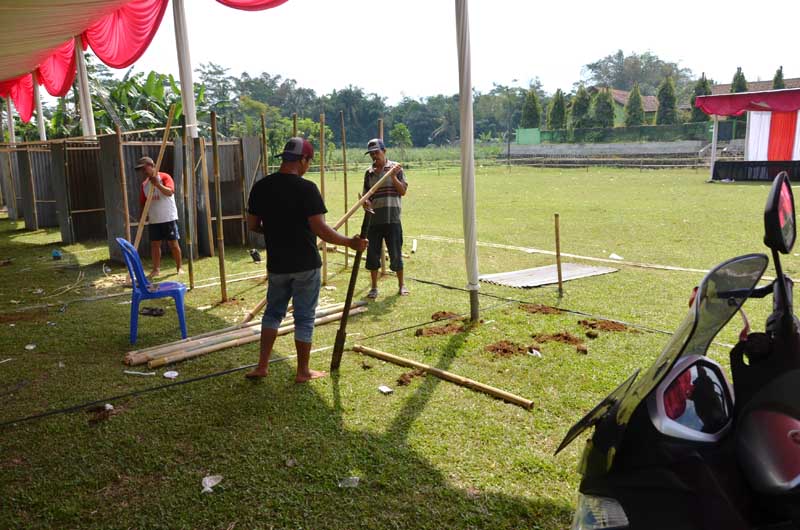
(385, 224)
(289, 211)
(162, 215)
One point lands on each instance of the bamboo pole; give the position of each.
(344, 171)
(243, 185)
(294, 124)
(366, 196)
(123, 184)
(558, 258)
(253, 312)
(284, 330)
(33, 192)
(218, 189)
(383, 252)
(149, 200)
(447, 376)
(186, 171)
(264, 153)
(193, 187)
(207, 192)
(322, 191)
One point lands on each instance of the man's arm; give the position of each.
(254, 223)
(329, 235)
(166, 191)
(401, 186)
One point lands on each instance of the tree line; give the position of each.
(141, 101)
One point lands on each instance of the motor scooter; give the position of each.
(678, 447)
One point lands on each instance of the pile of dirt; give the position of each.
(22, 316)
(406, 378)
(447, 329)
(605, 325)
(505, 348)
(540, 309)
(564, 337)
(445, 315)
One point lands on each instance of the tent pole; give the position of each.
(87, 114)
(467, 157)
(12, 134)
(39, 114)
(714, 145)
(184, 66)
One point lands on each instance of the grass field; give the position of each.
(430, 455)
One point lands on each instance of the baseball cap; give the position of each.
(376, 144)
(297, 148)
(144, 161)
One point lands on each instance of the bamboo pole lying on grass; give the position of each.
(448, 376)
(144, 355)
(239, 341)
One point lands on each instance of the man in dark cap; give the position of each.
(162, 216)
(289, 210)
(385, 224)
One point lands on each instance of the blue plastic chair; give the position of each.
(144, 290)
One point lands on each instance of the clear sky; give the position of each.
(399, 48)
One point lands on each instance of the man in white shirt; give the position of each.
(163, 213)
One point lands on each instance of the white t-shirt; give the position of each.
(162, 208)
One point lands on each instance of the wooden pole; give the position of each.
(366, 196)
(344, 171)
(161, 151)
(322, 191)
(294, 124)
(207, 193)
(243, 185)
(447, 376)
(558, 258)
(123, 184)
(218, 189)
(264, 153)
(186, 172)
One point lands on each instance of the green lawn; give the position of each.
(430, 455)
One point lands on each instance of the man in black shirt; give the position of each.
(289, 211)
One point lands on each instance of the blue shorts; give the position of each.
(303, 289)
(392, 233)
(163, 231)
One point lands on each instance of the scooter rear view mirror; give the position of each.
(779, 216)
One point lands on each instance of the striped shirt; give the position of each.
(385, 201)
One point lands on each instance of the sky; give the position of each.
(407, 48)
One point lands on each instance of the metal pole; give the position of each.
(85, 97)
(12, 133)
(39, 114)
(714, 146)
(184, 66)
(467, 156)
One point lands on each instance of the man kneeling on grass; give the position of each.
(289, 211)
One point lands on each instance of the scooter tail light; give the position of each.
(595, 513)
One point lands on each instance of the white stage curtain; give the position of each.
(796, 150)
(758, 135)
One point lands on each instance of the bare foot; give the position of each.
(180, 271)
(312, 374)
(258, 373)
(154, 273)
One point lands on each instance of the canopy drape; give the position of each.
(118, 31)
(737, 104)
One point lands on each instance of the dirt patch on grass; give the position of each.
(445, 315)
(99, 414)
(22, 316)
(448, 329)
(505, 348)
(540, 309)
(605, 325)
(563, 337)
(407, 377)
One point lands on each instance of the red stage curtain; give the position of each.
(57, 72)
(781, 135)
(252, 5)
(21, 91)
(118, 39)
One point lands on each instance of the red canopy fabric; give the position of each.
(118, 39)
(57, 72)
(787, 100)
(21, 92)
(252, 5)
(121, 37)
(782, 129)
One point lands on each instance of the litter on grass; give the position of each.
(615, 256)
(385, 389)
(6, 360)
(133, 372)
(172, 374)
(349, 482)
(30, 347)
(209, 482)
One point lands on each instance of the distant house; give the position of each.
(620, 97)
(755, 86)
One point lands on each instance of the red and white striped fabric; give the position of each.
(773, 136)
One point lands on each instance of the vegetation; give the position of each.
(431, 455)
(580, 109)
(557, 113)
(634, 109)
(604, 108)
(739, 83)
(531, 111)
(701, 88)
(777, 81)
(667, 113)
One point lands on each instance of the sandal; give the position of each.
(373, 293)
(404, 291)
(152, 311)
